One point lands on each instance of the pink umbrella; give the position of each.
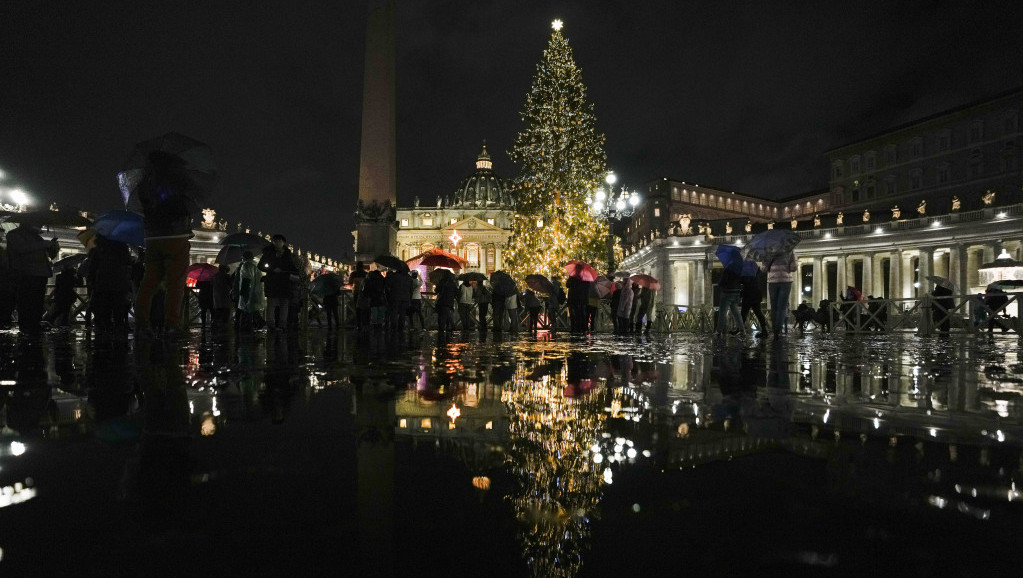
(200, 272)
(581, 269)
(647, 281)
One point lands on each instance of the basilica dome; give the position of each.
(483, 188)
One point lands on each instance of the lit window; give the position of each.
(404, 222)
(451, 425)
(452, 221)
(490, 221)
(428, 222)
(426, 423)
(657, 212)
(403, 423)
(490, 425)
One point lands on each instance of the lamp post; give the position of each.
(612, 208)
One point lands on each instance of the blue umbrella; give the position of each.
(730, 256)
(750, 268)
(121, 226)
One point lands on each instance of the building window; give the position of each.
(891, 155)
(472, 253)
(915, 179)
(871, 188)
(657, 212)
(427, 221)
(854, 165)
(916, 148)
(674, 193)
(976, 163)
(871, 161)
(452, 220)
(404, 222)
(890, 185)
(1009, 156)
(490, 221)
(944, 173)
(976, 131)
(944, 140)
(836, 170)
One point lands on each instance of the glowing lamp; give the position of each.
(601, 194)
(1003, 268)
(611, 178)
(620, 205)
(481, 483)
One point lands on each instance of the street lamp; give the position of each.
(612, 208)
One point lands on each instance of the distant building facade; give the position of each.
(474, 221)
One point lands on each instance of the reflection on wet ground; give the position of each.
(573, 456)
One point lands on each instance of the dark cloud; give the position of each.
(740, 95)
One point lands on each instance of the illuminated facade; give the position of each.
(473, 222)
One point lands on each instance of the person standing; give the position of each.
(30, 258)
(483, 296)
(648, 308)
(205, 299)
(109, 276)
(357, 279)
(399, 299)
(416, 306)
(780, 269)
(616, 297)
(637, 297)
(554, 303)
(624, 310)
(533, 308)
(7, 285)
(374, 292)
(511, 305)
(167, 216)
(279, 266)
(578, 294)
(644, 304)
(222, 295)
(752, 296)
(465, 303)
(447, 294)
(249, 288)
(731, 294)
(64, 296)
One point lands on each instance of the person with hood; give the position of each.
(533, 308)
(554, 303)
(249, 288)
(416, 305)
(109, 276)
(167, 215)
(780, 269)
(624, 310)
(29, 257)
(279, 267)
(645, 311)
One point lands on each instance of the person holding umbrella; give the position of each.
(752, 296)
(279, 267)
(416, 305)
(780, 269)
(399, 286)
(624, 310)
(578, 295)
(29, 257)
(483, 296)
(249, 288)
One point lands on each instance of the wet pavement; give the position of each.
(824, 455)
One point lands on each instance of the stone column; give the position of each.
(957, 267)
(818, 281)
(699, 284)
(895, 275)
(842, 276)
(926, 268)
(868, 275)
(665, 274)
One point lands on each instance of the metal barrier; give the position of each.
(928, 314)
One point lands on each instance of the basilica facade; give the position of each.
(473, 222)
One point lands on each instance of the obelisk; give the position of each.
(375, 228)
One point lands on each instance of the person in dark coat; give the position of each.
(356, 279)
(205, 299)
(222, 302)
(578, 294)
(7, 285)
(64, 296)
(399, 298)
(281, 272)
(29, 257)
(645, 311)
(110, 276)
(616, 297)
(637, 296)
(752, 299)
(533, 308)
(731, 295)
(483, 296)
(374, 292)
(941, 308)
(447, 295)
(554, 303)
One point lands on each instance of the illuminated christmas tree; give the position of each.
(561, 159)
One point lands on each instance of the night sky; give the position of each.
(744, 96)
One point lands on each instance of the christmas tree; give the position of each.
(561, 159)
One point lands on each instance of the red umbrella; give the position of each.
(200, 272)
(581, 269)
(646, 281)
(437, 258)
(602, 287)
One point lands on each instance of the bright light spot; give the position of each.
(635, 508)
(936, 224)
(595, 448)
(937, 501)
(933, 432)
(557, 25)
(1001, 215)
(631, 453)
(454, 412)
(807, 289)
(618, 448)
(878, 231)
(17, 448)
(827, 235)
(1000, 436)
(611, 177)
(598, 458)
(827, 414)
(877, 423)
(208, 427)
(19, 197)
(916, 284)
(607, 476)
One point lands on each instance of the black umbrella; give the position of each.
(391, 262)
(247, 240)
(472, 276)
(230, 255)
(326, 284)
(438, 275)
(504, 286)
(46, 218)
(540, 284)
(71, 261)
(184, 163)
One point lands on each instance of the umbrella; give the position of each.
(230, 255)
(326, 284)
(602, 287)
(856, 294)
(70, 262)
(771, 242)
(540, 284)
(391, 262)
(942, 282)
(450, 261)
(46, 218)
(1007, 284)
(121, 226)
(623, 274)
(731, 257)
(472, 276)
(188, 161)
(247, 240)
(504, 286)
(750, 269)
(581, 269)
(201, 272)
(646, 281)
(438, 275)
(88, 238)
